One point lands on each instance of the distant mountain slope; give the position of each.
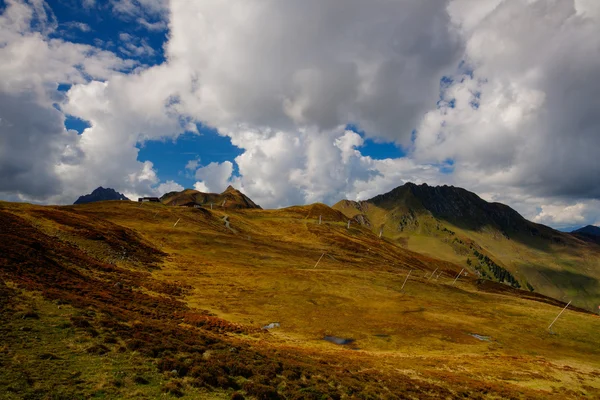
(100, 194)
(588, 233)
(589, 230)
(490, 239)
(230, 198)
(463, 209)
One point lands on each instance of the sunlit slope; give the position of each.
(417, 341)
(263, 270)
(488, 239)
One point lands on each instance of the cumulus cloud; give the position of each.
(568, 215)
(284, 65)
(502, 92)
(83, 27)
(150, 14)
(134, 46)
(214, 177)
(192, 165)
(44, 143)
(168, 186)
(523, 115)
(280, 168)
(39, 159)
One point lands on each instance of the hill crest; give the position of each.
(229, 198)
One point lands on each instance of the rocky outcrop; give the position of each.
(100, 194)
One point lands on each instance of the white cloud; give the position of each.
(280, 168)
(152, 26)
(568, 215)
(536, 127)
(134, 46)
(135, 7)
(262, 64)
(192, 165)
(282, 79)
(150, 14)
(83, 27)
(168, 186)
(201, 187)
(214, 177)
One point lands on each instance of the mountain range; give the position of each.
(491, 240)
(423, 292)
(590, 233)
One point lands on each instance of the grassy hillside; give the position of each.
(116, 300)
(488, 239)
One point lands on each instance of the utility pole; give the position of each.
(402, 288)
(559, 314)
(318, 261)
(348, 224)
(320, 219)
(433, 273)
(455, 279)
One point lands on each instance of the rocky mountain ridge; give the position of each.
(100, 194)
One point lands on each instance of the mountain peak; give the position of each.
(588, 233)
(457, 206)
(100, 194)
(230, 189)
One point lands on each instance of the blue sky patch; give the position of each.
(100, 27)
(378, 150)
(171, 157)
(76, 124)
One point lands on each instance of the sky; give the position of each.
(297, 102)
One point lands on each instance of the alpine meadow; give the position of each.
(289, 200)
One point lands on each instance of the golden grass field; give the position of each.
(127, 305)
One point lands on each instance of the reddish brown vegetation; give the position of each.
(151, 324)
(215, 324)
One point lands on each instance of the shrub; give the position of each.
(140, 380)
(174, 387)
(98, 349)
(260, 391)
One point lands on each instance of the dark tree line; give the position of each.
(498, 273)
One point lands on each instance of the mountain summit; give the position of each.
(590, 233)
(100, 194)
(230, 198)
(591, 230)
(454, 205)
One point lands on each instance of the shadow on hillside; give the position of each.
(536, 236)
(568, 280)
(485, 285)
